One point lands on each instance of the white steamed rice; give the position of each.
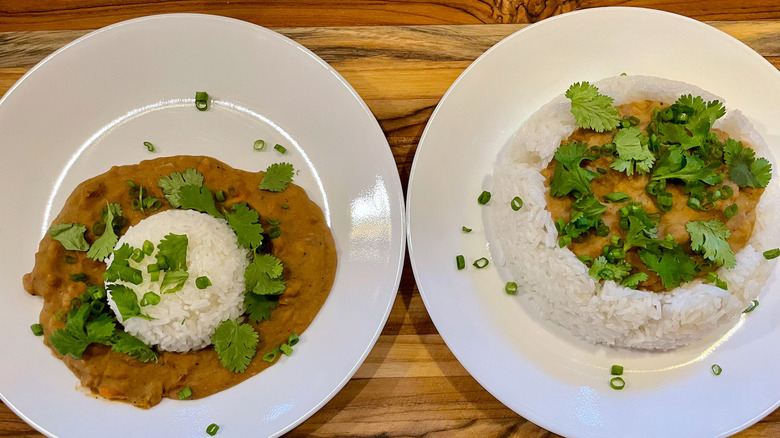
(559, 283)
(186, 319)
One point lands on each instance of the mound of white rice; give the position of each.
(186, 319)
(559, 283)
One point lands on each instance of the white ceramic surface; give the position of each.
(93, 103)
(536, 368)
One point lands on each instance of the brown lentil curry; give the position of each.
(306, 248)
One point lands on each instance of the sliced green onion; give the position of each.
(69, 259)
(484, 197)
(202, 282)
(516, 203)
(285, 349)
(138, 255)
(665, 201)
(201, 100)
(564, 241)
(617, 197)
(481, 262)
(771, 253)
(280, 148)
(293, 339)
(607, 149)
(731, 211)
(285, 206)
(585, 259)
(82, 277)
(212, 429)
(274, 232)
(510, 288)
(150, 299)
(595, 153)
(272, 221)
(726, 192)
(153, 267)
(98, 228)
(751, 307)
(154, 275)
(271, 355)
(97, 306)
(148, 247)
(220, 195)
(716, 369)
(461, 262)
(37, 329)
(617, 370)
(466, 230)
(601, 170)
(149, 146)
(185, 393)
(617, 383)
(259, 145)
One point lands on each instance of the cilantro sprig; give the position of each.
(276, 177)
(235, 344)
(709, 239)
(104, 245)
(744, 168)
(71, 236)
(591, 109)
(569, 175)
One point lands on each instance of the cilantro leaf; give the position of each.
(687, 168)
(276, 177)
(638, 234)
(633, 155)
(172, 184)
(633, 280)
(264, 275)
(198, 198)
(259, 307)
(173, 252)
(671, 264)
(235, 344)
(245, 222)
(102, 247)
(569, 176)
(120, 268)
(591, 109)
(744, 169)
(603, 269)
(173, 281)
(126, 302)
(124, 342)
(78, 333)
(71, 236)
(709, 238)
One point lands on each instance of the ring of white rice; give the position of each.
(559, 283)
(185, 320)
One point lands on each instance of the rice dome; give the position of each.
(185, 319)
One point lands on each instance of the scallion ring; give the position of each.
(716, 369)
(259, 145)
(617, 370)
(617, 383)
(460, 261)
(212, 429)
(510, 288)
(731, 211)
(202, 282)
(481, 263)
(751, 307)
(484, 197)
(466, 230)
(37, 329)
(281, 149)
(516, 203)
(771, 253)
(149, 146)
(201, 100)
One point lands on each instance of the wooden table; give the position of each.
(401, 56)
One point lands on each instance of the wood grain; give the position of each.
(410, 385)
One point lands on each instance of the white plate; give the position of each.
(93, 103)
(535, 368)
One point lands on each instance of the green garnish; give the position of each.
(569, 176)
(717, 281)
(276, 177)
(673, 265)
(617, 197)
(510, 288)
(104, 245)
(466, 230)
(271, 355)
(79, 332)
(201, 100)
(140, 199)
(199, 199)
(617, 370)
(264, 275)
(173, 252)
(173, 281)
(744, 168)
(202, 282)
(80, 277)
(484, 197)
(771, 253)
(633, 152)
(173, 183)
(516, 203)
(460, 262)
(185, 393)
(591, 109)
(212, 429)
(258, 307)
(617, 383)
(150, 299)
(603, 269)
(235, 344)
(148, 247)
(149, 146)
(281, 149)
(259, 145)
(633, 280)
(126, 302)
(709, 239)
(120, 268)
(71, 236)
(751, 307)
(731, 211)
(716, 369)
(37, 329)
(481, 263)
(274, 232)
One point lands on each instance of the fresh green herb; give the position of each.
(673, 265)
(731, 211)
(460, 261)
(633, 155)
(259, 145)
(771, 253)
(173, 183)
(285, 206)
(569, 176)
(617, 383)
(138, 255)
(516, 203)
(484, 197)
(276, 177)
(633, 280)
(126, 302)
(201, 100)
(198, 198)
(120, 268)
(510, 288)
(104, 245)
(617, 370)
(173, 281)
(664, 201)
(716, 369)
(481, 263)
(80, 277)
(274, 232)
(264, 275)
(149, 146)
(714, 279)
(686, 168)
(123, 342)
(140, 199)
(709, 239)
(150, 299)
(79, 332)
(173, 252)
(745, 169)
(603, 269)
(212, 429)
(466, 230)
(585, 214)
(235, 344)
(751, 307)
(271, 355)
(37, 329)
(258, 307)
(185, 393)
(591, 109)
(202, 282)
(617, 197)
(285, 349)
(281, 149)
(70, 235)
(148, 247)
(686, 124)
(293, 339)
